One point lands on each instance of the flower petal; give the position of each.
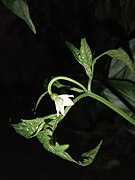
(61, 101)
(57, 108)
(65, 95)
(61, 109)
(66, 100)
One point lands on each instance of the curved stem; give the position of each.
(110, 105)
(107, 103)
(92, 95)
(66, 79)
(94, 60)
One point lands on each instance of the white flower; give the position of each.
(61, 101)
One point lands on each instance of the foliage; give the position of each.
(21, 9)
(121, 83)
(118, 95)
(44, 128)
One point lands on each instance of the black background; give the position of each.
(28, 60)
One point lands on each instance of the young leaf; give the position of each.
(56, 149)
(75, 51)
(29, 128)
(44, 129)
(85, 57)
(46, 137)
(88, 157)
(20, 8)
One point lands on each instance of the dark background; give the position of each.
(27, 61)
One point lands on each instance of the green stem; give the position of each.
(89, 84)
(91, 78)
(110, 105)
(66, 79)
(94, 60)
(107, 103)
(92, 95)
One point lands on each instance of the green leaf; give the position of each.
(75, 51)
(44, 128)
(85, 57)
(119, 70)
(21, 9)
(117, 102)
(132, 48)
(126, 91)
(56, 149)
(29, 128)
(40, 98)
(46, 137)
(120, 54)
(88, 157)
(66, 87)
(124, 97)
